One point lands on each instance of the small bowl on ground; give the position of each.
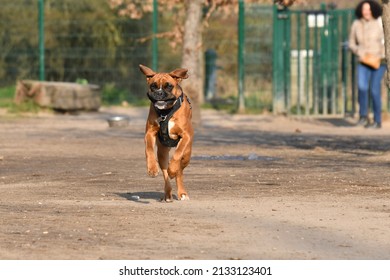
(118, 121)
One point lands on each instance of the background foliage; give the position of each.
(88, 40)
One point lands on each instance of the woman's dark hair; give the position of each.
(376, 9)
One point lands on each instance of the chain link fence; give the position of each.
(87, 41)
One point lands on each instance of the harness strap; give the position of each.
(163, 120)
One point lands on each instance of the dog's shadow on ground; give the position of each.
(143, 197)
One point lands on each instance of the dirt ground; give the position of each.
(261, 187)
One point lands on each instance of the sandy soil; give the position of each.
(261, 187)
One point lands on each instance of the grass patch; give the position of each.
(228, 104)
(27, 106)
(7, 101)
(7, 96)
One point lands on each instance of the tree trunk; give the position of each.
(191, 57)
(386, 27)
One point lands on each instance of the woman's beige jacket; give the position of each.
(366, 37)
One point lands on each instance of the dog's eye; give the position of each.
(153, 86)
(168, 86)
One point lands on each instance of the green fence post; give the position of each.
(281, 52)
(41, 39)
(287, 61)
(275, 54)
(307, 74)
(154, 40)
(316, 68)
(323, 57)
(241, 41)
(299, 63)
(335, 56)
(344, 64)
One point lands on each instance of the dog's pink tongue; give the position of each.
(160, 104)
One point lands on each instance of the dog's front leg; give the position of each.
(150, 143)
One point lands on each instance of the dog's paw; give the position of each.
(184, 196)
(153, 171)
(167, 199)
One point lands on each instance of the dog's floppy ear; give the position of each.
(149, 73)
(179, 73)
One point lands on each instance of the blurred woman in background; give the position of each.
(366, 40)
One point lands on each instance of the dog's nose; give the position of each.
(160, 94)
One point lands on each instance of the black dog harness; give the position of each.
(163, 119)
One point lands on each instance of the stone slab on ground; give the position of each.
(59, 95)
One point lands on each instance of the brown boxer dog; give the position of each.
(168, 125)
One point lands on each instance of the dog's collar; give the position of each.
(166, 114)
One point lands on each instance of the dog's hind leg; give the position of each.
(163, 160)
(182, 194)
(184, 161)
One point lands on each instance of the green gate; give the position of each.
(313, 70)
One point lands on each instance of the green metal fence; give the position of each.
(73, 39)
(288, 61)
(313, 70)
(81, 39)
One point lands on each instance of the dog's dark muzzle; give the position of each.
(161, 95)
